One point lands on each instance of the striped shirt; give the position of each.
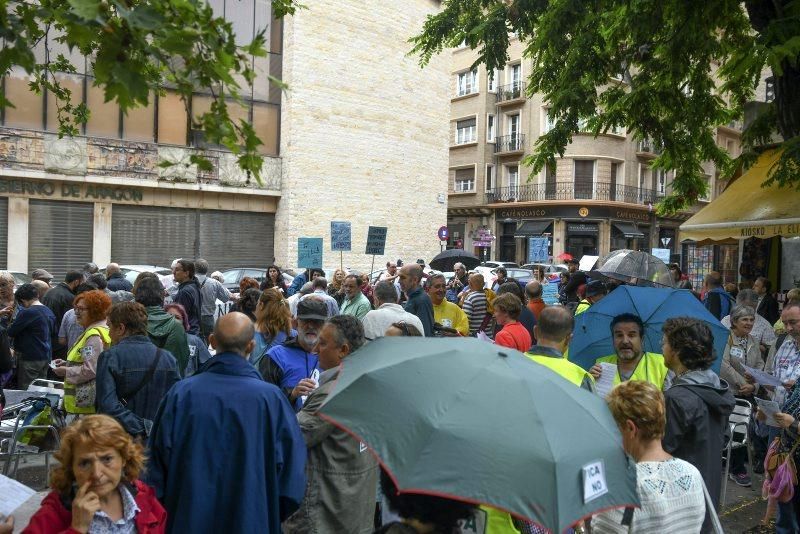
(475, 308)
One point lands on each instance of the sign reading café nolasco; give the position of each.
(68, 190)
(575, 212)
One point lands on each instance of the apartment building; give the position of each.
(599, 197)
(328, 142)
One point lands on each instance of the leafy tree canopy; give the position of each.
(135, 47)
(687, 67)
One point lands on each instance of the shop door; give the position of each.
(582, 245)
(149, 235)
(237, 239)
(3, 233)
(59, 236)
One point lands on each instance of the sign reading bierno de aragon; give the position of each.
(44, 188)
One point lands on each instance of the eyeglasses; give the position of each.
(402, 325)
(81, 309)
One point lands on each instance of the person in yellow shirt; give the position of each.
(553, 334)
(627, 332)
(595, 291)
(446, 313)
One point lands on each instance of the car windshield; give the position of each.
(21, 278)
(231, 277)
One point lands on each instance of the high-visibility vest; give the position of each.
(487, 520)
(564, 368)
(74, 359)
(651, 368)
(582, 307)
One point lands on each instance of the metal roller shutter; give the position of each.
(148, 235)
(3, 233)
(59, 235)
(236, 239)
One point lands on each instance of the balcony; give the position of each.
(648, 149)
(509, 144)
(571, 191)
(511, 94)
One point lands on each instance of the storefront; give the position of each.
(577, 229)
(60, 225)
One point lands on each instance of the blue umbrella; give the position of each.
(591, 337)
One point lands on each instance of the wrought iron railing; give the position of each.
(509, 143)
(572, 191)
(649, 146)
(511, 91)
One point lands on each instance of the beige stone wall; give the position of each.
(365, 131)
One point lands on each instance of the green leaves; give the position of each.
(687, 68)
(137, 47)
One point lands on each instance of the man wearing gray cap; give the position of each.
(41, 274)
(294, 366)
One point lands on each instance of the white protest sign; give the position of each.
(594, 481)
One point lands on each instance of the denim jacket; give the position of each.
(121, 369)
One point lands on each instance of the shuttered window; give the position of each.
(59, 236)
(236, 239)
(3, 233)
(149, 235)
(584, 178)
(145, 235)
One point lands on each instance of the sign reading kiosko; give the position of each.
(36, 188)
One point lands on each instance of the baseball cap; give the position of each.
(41, 274)
(312, 309)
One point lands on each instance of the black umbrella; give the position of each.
(445, 260)
(634, 268)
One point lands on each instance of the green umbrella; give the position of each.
(474, 422)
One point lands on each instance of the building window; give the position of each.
(512, 175)
(468, 82)
(489, 177)
(491, 83)
(706, 197)
(549, 121)
(661, 181)
(515, 76)
(490, 128)
(466, 131)
(584, 178)
(612, 190)
(513, 126)
(465, 180)
(730, 147)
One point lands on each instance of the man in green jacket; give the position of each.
(162, 328)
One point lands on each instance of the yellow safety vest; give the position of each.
(74, 359)
(582, 307)
(487, 520)
(565, 368)
(651, 368)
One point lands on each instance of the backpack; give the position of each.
(268, 346)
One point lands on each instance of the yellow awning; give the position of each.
(745, 209)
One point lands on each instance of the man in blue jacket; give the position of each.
(226, 452)
(716, 300)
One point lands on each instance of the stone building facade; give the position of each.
(599, 197)
(359, 136)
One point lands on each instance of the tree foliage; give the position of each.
(686, 68)
(135, 47)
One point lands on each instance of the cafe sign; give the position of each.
(67, 190)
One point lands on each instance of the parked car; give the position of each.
(496, 264)
(232, 277)
(521, 276)
(130, 272)
(548, 268)
(19, 279)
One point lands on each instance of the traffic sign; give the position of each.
(443, 233)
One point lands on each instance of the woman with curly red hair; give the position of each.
(79, 370)
(96, 487)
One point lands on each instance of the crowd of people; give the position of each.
(188, 421)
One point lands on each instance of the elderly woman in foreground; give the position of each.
(671, 490)
(96, 487)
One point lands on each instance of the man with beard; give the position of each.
(294, 366)
(627, 333)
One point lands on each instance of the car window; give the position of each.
(258, 274)
(231, 277)
(21, 278)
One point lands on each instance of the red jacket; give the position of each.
(514, 336)
(53, 517)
